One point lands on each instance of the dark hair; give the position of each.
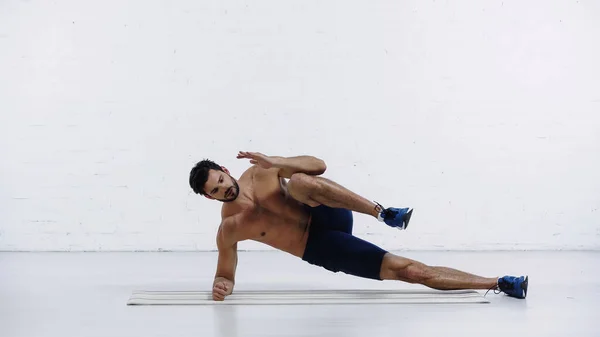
(199, 175)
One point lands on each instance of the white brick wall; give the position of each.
(484, 116)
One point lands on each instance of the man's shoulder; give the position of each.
(230, 231)
(225, 236)
(227, 210)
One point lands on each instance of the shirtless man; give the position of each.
(310, 217)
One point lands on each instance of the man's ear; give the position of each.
(225, 170)
(209, 197)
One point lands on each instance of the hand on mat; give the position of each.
(263, 161)
(221, 289)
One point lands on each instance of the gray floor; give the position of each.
(84, 294)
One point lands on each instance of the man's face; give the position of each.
(221, 186)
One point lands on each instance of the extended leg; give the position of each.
(399, 268)
(339, 251)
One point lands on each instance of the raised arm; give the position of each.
(226, 264)
(287, 165)
(300, 164)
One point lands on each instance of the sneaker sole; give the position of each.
(408, 215)
(524, 285)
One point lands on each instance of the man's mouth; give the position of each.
(229, 192)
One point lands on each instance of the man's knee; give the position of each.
(417, 273)
(301, 186)
(406, 270)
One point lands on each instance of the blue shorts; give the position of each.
(332, 246)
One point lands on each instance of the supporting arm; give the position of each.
(226, 266)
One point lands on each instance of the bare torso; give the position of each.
(271, 215)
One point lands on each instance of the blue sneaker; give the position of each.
(395, 217)
(513, 286)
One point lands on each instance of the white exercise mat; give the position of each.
(290, 297)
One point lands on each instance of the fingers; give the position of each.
(250, 155)
(221, 288)
(220, 291)
(244, 154)
(218, 297)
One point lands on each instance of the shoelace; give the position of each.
(496, 290)
(385, 212)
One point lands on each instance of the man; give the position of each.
(310, 217)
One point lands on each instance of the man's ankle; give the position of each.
(377, 209)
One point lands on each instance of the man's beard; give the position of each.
(237, 191)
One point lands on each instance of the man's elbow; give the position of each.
(320, 166)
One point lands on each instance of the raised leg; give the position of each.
(313, 191)
(399, 268)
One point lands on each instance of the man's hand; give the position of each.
(262, 160)
(222, 288)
